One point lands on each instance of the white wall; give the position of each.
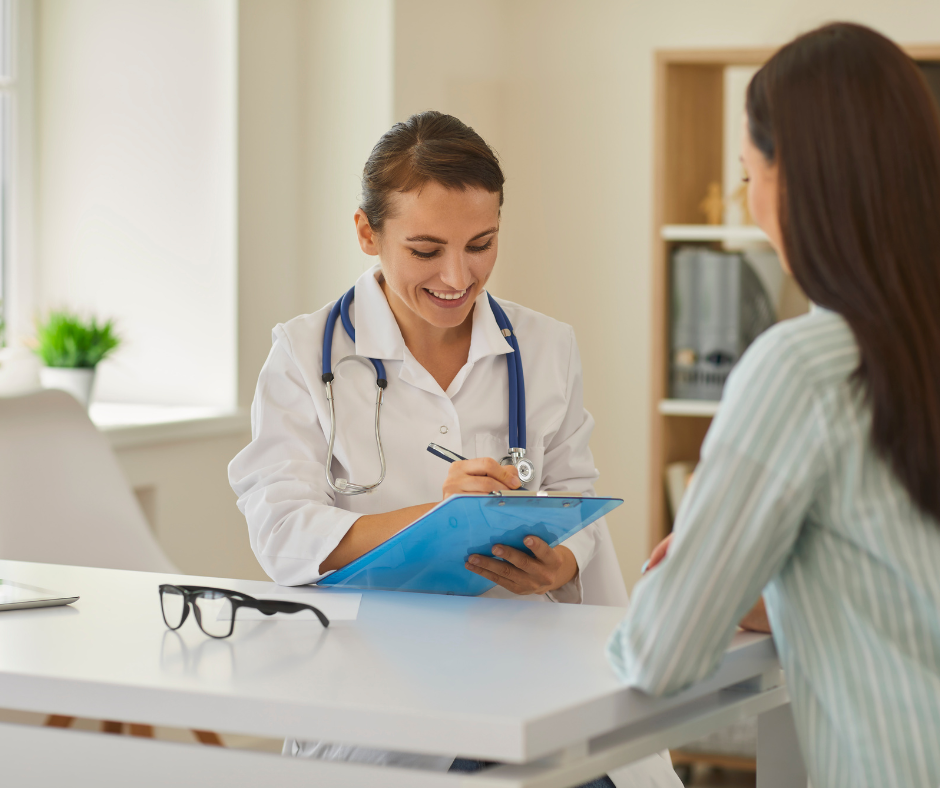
(315, 94)
(565, 93)
(136, 187)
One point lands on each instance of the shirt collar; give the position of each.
(378, 335)
(377, 332)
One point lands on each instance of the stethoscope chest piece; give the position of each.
(524, 466)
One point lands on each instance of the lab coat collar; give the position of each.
(377, 332)
(486, 338)
(378, 335)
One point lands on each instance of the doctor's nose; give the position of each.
(455, 271)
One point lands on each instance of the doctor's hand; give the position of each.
(546, 570)
(482, 475)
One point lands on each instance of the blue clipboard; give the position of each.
(429, 555)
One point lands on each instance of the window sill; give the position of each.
(131, 426)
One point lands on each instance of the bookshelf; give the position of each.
(690, 154)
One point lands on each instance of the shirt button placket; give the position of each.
(450, 426)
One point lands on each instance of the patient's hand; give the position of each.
(754, 620)
(546, 570)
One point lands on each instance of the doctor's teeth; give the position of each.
(447, 296)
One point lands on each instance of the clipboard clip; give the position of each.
(535, 494)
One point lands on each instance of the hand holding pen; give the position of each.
(480, 475)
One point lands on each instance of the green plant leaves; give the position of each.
(65, 340)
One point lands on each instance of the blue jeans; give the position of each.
(467, 765)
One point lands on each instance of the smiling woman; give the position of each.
(427, 330)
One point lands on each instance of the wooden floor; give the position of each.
(164, 734)
(708, 777)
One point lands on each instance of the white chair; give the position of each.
(65, 500)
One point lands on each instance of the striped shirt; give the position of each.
(791, 499)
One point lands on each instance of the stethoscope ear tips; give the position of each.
(341, 483)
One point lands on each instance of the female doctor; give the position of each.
(431, 196)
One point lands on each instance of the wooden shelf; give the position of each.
(688, 407)
(712, 232)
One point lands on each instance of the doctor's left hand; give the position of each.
(548, 569)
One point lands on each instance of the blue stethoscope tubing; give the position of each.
(517, 432)
(516, 378)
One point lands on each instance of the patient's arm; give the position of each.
(756, 618)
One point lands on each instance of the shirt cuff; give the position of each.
(290, 567)
(572, 592)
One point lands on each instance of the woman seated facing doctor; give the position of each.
(432, 190)
(819, 482)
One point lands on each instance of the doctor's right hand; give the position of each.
(480, 475)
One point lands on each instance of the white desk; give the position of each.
(521, 683)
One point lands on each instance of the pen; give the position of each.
(449, 456)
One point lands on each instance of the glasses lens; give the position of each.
(174, 606)
(215, 613)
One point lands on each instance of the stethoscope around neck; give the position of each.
(516, 455)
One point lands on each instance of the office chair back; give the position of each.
(63, 496)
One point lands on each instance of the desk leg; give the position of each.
(779, 762)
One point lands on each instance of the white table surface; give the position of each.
(486, 678)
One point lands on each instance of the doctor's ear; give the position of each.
(368, 238)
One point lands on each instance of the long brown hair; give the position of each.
(851, 123)
(429, 146)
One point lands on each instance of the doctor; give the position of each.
(432, 190)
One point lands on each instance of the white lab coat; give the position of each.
(295, 520)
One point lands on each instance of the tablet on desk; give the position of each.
(16, 596)
(429, 555)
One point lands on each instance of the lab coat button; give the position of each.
(443, 430)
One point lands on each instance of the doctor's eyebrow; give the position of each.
(431, 239)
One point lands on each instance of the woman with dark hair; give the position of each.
(819, 482)
(432, 190)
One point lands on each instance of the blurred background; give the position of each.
(190, 168)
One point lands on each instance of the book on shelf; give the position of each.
(719, 305)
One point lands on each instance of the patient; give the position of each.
(819, 483)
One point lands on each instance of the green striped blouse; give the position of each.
(791, 499)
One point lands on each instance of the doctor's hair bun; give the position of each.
(429, 146)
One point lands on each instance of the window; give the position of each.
(7, 103)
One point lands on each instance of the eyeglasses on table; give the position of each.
(215, 608)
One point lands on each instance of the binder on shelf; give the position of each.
(429, 555)
(719, 306)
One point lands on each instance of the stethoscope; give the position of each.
(516, 454)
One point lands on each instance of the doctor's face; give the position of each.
(438, 249)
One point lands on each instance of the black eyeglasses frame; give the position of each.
(237, 599)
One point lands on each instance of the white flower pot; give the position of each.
(76, 381)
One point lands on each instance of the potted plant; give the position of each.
(71, 348)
